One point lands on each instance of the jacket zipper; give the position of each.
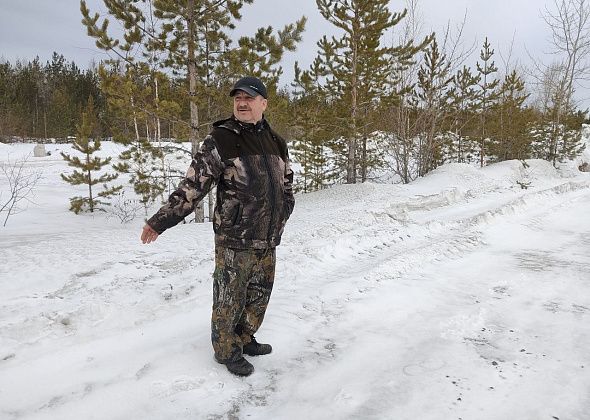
(272, 191)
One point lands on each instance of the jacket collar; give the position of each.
(237, 126)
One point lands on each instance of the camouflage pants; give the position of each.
(242, 284)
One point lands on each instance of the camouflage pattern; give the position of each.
(242, 284)
(250, 166)
(201, 176)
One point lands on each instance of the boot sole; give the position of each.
(232, 372)
(257, 354)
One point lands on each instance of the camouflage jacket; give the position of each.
(250, 166)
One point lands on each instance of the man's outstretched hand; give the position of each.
(148, 234)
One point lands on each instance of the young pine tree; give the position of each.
(356, 67)
(142, 159)
(464, 95)
(513, 120)
(432, 91)
(558, 142)
(488, 94)
(85, 174)
(311, 148)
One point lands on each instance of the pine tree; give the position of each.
(190, 40)
(356, 66)
(488, 94)
(463, 105)
(88, 165)
(557, 142)
(6, 76)
(512, 120)
(312, 147)
(432, 89)
(142, 159)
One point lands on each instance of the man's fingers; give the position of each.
(148, 235)
(144, 235)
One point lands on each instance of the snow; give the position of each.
(461, 295)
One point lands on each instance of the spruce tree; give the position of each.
(85, 174)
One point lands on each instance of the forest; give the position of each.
(369, 108)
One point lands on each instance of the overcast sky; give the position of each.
(38, 27)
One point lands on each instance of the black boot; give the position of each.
(254, 348)
(240, 367)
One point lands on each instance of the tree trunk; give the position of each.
(159, 135)
(158, 126)
(192, 76)
(91, 200)
(45, 122)
(482, 145)
(135, 120)
(351, 159)
(364, 160)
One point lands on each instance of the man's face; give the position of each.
(248, 109)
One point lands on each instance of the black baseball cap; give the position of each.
(251, 85)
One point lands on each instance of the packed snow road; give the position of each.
(460, 296)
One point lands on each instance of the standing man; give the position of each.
(249, 163)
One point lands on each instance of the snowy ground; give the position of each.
(460, 296)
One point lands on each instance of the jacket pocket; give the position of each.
(238, 216)
(232, 215)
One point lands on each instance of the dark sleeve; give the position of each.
(202, 175)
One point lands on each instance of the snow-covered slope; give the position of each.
(461, 295)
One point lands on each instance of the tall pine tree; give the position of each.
(488, 94)
(191, 40)
(356, 66)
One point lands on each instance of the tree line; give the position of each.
(44, 100)
(366, 106)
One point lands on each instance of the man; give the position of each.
(249, 163)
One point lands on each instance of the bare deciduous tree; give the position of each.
(21, 184)
(556, 81)
(570, 38)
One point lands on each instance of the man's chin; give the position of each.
(245, 119)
